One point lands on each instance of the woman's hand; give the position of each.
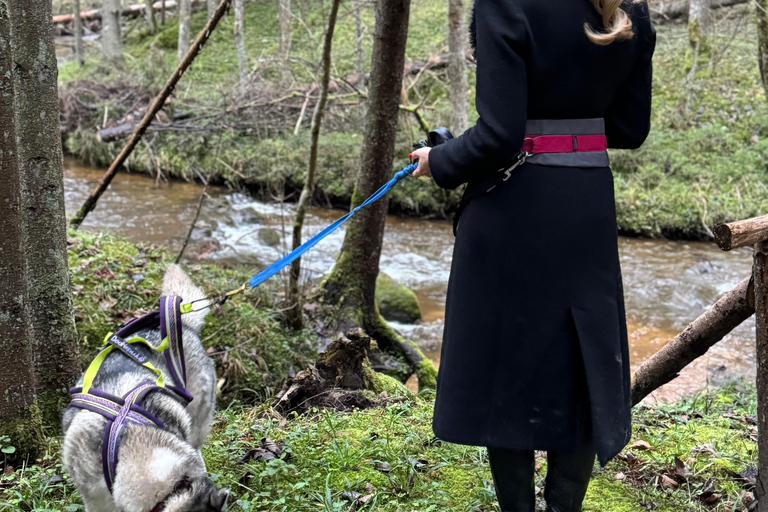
(422, 155)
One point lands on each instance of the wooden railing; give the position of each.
(748, 298)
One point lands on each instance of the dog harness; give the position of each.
(119, 411)
(551, 142)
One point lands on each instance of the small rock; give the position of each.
(138, 278)
(620, 476)
(269, 237)
(641, 445)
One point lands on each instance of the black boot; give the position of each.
(512, 472)
(568, 475)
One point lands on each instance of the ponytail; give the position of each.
(616, 21)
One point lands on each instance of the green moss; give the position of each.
(427, 375)
(380, 382)
(396, 302)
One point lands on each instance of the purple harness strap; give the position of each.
(121, 410)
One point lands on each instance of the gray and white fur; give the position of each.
(154, 465)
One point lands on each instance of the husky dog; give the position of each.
(158, 469)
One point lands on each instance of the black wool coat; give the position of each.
(534, 351)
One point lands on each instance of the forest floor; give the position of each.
(693, 455)
(705, 162)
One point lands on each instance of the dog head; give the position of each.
(160, 473)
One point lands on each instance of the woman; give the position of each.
(535, 353)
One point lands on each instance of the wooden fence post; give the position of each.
(760, 270)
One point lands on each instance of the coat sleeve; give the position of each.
(628, 118)
(501, 99)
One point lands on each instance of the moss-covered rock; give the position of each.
(396, 302)
(269, 237)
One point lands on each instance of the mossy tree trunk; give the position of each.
(762, 41)
(351, 285)
(149, 13)
(699, 23)
(457, 67)
(38, 341)
(185, 15)
(111, 43)
(295, 313)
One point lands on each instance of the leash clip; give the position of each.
(521, 158)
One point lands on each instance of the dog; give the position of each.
(158, 470)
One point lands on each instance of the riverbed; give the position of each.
(667, 284)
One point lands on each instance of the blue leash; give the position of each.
(299, 251)
(306, 246)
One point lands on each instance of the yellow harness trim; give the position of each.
(93, 368)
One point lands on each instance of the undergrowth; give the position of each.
(698, 454)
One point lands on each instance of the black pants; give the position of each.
(568, 476)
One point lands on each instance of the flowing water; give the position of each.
(667, 284)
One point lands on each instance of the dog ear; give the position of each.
(219, 499)
(177, 282)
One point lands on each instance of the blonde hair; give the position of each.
(616, 21)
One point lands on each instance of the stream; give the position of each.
(667, 284)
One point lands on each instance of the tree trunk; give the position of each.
(359, 54)
(284, 38)
(78, 34)
(762, 41)
(760, 273)
(295, 313)
(162, 12)
(185, 13)
(351, 285)
(699, 23)
(242, 57)
(38, 340)
(457, 68)
(211, 5)
(111, 44)
(149, 13)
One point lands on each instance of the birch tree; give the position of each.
(242, 57)
(284, 37)
(38, 340)
(457, 68)
(295, 313)
(111, 44)
(351, 285)
(185, 15)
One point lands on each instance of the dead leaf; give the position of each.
(681, 470)
(668, 483)
(713, 498)
(620, 476)
(107, 303)
(705, 449)
(749, 475)
(8, 471)
(641, 445)
(382, 466)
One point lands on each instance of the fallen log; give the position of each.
(154, 108)
(133, 11)
(678, 9)
(742, 233)
(725, 315)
